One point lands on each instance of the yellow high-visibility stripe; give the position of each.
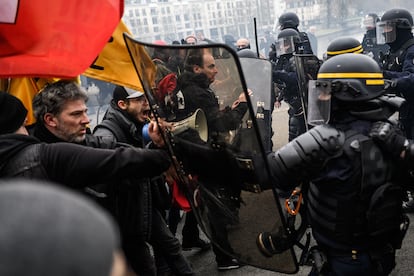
(355, 50)
(350, 76)
(374, 82)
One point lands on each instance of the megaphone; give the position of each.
(196, 121)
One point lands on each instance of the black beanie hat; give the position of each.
(12, 113)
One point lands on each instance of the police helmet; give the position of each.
(352, 80)
(370, 20)
(392, 21)
(287, 41)
(246, 53)
(401, 17)
(288, 20)
(343, 45)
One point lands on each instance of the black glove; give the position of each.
(390, 85)
(389, 138)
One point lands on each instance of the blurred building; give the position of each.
(171, 20)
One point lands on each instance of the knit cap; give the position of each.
(12, 113)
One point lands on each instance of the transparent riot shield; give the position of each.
(223, 175)
(307, 66)
(258, 75)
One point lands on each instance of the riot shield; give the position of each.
(225, 176)
(307, 66)
(258, 75)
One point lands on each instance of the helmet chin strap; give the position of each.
(375, 110)
(379, 109)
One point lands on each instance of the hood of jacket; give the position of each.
(10, 144)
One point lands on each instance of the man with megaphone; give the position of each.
(200, 72)
(124, 120)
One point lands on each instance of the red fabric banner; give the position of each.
(54, 38)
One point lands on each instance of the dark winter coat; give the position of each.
(197, 94)
(78, 166)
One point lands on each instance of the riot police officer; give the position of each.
(369, 41)
(353, 200)
(394, 29)
(343, 45)
(284, 75)
(291, 20)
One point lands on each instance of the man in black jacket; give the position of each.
(69, 164)
(195, 92)
(61, 113)
(124, 120)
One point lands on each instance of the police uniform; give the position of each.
(284, 75)
(353, 200)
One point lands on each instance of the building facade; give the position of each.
(170, 20)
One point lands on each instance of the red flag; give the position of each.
(54, 38)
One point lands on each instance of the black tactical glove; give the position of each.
(390, 85)
(389, 138)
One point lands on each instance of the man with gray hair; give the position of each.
(61, 116)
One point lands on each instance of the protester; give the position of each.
(192, 40)
(124, 120)
(70, 164)
(199, 74)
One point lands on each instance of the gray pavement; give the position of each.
(204, 262)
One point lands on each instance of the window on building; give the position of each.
(155, 20)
